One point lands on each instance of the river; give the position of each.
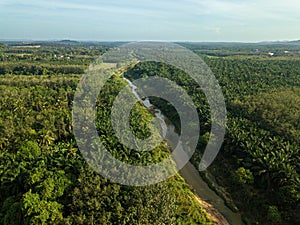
(189, 172)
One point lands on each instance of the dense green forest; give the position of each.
(45, 180)
(261, 147)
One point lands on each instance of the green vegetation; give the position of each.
(261, 147)
(263, 136)
(43, 177)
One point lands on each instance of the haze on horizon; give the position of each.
(167, 20)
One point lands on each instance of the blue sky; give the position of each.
(170, 20)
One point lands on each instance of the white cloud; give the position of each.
(180, 19)
(112, 7)
(247, 9)
(215, 29)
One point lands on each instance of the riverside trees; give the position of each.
(261, 147)
(43, 176)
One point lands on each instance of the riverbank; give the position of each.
(218, 212)
(212, 212)
(210, 201)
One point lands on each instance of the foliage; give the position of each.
(43, 177)
(243, 176)
(261, 147)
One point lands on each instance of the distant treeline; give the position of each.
(39, 69)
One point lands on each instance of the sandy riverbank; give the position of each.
(213, 213)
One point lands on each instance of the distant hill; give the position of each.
(295, 42)
(72, 42)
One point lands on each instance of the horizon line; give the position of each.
(112, 41)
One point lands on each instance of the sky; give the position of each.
(163, 20)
